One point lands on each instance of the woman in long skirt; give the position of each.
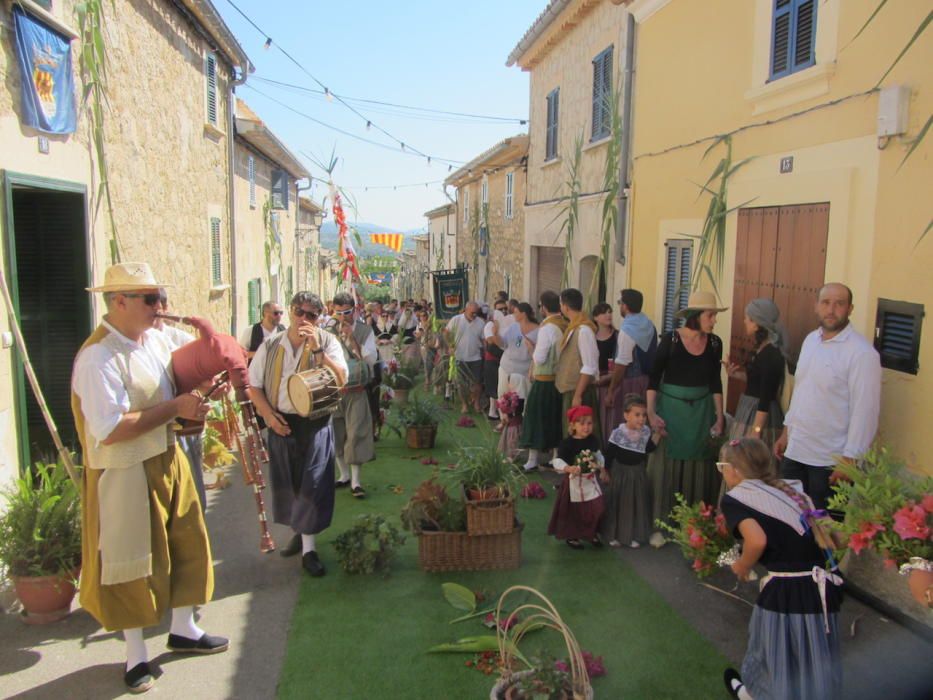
(606, 337)
(685, 405)
(793, 640)
(758, 414)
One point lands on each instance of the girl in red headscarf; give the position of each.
(579, 504)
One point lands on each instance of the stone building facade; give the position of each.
(559, 51)
(491, 218)
(308, 268)
(167, 140)
(268, 249)
(442, 229)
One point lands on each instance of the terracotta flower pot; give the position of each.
(920, 583)
(45, 598)
(401, 396)
(221, 427)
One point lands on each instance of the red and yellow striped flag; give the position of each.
(390, 240)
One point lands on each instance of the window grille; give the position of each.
(217, 277)
(897, 335)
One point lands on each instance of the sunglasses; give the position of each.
(277, 313)
(722, 465)
(345, 312)
(150, 299)
(310, 315)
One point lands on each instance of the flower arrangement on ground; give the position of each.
(431, 508)
(701, 532)
(889, 510)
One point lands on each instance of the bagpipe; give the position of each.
(219, 357)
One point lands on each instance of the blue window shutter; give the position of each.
(804, 34)
(793, 36)
(253, 288)
(553, 105)
(602, 82)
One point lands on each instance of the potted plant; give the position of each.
(490, 482)
(888, 510)
(419, 418)
(400, 377)
(369, 546)
(485, 473)
(40, 541)
(543, 677)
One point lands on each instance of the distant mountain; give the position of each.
(369, 249)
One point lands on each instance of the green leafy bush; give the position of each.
(369, 546)
(40, 531)
(485, 468)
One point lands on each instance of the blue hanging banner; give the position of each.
(47, 81)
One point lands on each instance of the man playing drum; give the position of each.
(143, 541)
(301, 449)
(353, 422)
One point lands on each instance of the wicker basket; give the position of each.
(420, 437)
(458, 551)
(494, 516)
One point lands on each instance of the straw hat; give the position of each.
(700, 301)
(128, 277)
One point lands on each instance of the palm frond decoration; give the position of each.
(569, 214)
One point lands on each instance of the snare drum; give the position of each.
(314, 393)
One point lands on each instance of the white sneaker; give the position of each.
(634, 544)
(615, 544)
(657, 540)
(529, 467)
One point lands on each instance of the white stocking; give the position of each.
(355, 478)
(493, 408)
(308, 544)
(183, 623)
(532, 459)
(342, 468)
(135, 647)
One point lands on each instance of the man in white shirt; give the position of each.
(578, 361)
(143, 540)
(271, 322)
(353, 422)
(834, 410)
(465, 334)
(301, 450)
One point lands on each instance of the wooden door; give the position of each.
(780, 255)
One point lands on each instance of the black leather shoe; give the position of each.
(292, 548)
(139, 678)
(733, 681)
(358, 492)
(341, 483)
(207, 644)
(311, 563)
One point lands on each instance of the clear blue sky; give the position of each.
(426, 53)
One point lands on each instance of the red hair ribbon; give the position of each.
(577, 412)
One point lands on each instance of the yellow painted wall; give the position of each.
(823, 118)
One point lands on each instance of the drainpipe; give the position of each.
(623, 243)
(231, 174)
(298, 190)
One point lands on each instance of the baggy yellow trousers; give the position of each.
(182, 570)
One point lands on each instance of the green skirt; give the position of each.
(541, 426)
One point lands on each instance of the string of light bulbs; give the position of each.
(370, 124)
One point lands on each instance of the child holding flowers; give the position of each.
(793, 645)
(511, 406)
(579, 504)
(628, 505)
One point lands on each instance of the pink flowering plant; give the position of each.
(887, 509)
(701, 532)
(399, 375)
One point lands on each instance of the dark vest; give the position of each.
(256, 338)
